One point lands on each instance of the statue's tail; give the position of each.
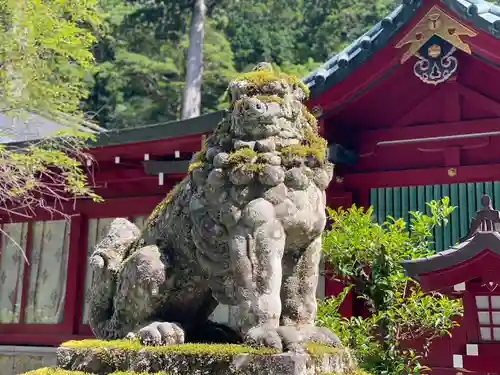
(106, 262)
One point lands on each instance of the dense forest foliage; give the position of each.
(142, 48)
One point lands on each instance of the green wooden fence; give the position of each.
(398, 201)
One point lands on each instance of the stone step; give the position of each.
(129, 357)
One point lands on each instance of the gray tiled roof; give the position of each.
(481, 14)
(455, 255)
(30, 127)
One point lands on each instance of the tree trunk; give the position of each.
(191, 101)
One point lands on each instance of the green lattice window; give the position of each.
(398, 201)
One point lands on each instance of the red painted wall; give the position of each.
(364, 110)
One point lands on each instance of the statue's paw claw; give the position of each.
(161, 333)
(264, 337)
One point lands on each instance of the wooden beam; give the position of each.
(155, 167)
(368, 140)
(427, 176)
(170, 130)
(476, 98)
(136, 151)
(25, 284)
(71, 304)
(121, 175)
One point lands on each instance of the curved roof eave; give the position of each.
(481, 14)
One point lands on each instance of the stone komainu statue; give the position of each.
(242, 229)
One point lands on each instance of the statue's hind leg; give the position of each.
(132, 291)
(156, 303)
(138, 296)
(159, 303)
(106, 262)
(143, 295)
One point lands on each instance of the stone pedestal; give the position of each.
(103, 358)
(16, 360)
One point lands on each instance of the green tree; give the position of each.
(191, 100)
(331, 25)
(262, 30)
(146, 38)
(141, 72)
(44, 49)
(369, 256)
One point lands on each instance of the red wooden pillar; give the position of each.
(336, 199)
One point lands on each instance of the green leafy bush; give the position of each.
(368, 256)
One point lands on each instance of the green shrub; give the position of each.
(369, 255)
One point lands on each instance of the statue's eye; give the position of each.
(258, 106)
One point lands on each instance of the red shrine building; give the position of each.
(411, 111)
(468, 271)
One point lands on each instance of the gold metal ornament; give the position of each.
(435, 22)
(452, 172)
(434, 51)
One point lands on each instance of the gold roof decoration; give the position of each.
(435, 22)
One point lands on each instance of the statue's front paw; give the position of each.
(97, 262)
(103, 264)
(160, 333)
(144, 271)
(264, 337)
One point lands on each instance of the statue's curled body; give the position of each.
(243, 229)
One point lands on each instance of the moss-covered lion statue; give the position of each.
(242, 229)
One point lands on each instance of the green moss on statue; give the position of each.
(111, 354)
(320, 350)
(212, 350)
(316, 147)
(246, 159)
(153, 218)
(198, 158)
(260, 77)
(262, 98)
(270, 98)
(242, 156)
(311, 120)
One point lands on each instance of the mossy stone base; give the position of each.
(104, 360)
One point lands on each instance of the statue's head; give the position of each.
(266, 124)
(264, 104)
